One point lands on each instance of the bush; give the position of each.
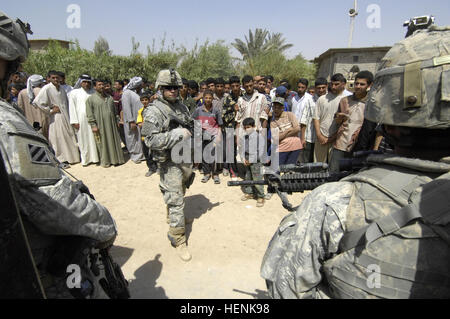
(276, 64)
(203, 61)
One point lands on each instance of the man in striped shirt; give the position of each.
(251, 104)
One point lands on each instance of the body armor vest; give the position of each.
(397, 242)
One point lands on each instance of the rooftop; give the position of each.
(349, 50)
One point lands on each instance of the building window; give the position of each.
(355, 59)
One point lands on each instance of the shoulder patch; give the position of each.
(38, 154)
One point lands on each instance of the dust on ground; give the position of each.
(227, 239)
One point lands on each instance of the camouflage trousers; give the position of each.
(253, 173)
(173, 178)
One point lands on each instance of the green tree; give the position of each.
(275, 41)
(101, 46)
(260, 42)
(276, 64)
(254, 45)
(206, 60)
(203, 61)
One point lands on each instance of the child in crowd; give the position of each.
(14, 90)
(211, 121)
(151, 164)
(253, 153)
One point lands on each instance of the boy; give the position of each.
(253, 151)
(152, 166)
(211, 121)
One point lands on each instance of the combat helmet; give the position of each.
(13, 39)
(412, 87)
(168, 77)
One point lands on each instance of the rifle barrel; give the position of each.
(247, 183)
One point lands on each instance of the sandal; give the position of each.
(260, 202)
(247, 197)
(216, 180)
(206, 178)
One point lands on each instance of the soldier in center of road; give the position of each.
(160, 137)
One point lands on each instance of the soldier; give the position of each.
(161, 137)
(384, 231)
(56, 222)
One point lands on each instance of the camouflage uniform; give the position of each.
(292, 263)
(53, 206)
(49, 218)
(173, 177)
(306, 247)
(390, 219)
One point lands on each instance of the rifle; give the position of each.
(175, 122)
(88, 254)
(305, 177)
(114, 283)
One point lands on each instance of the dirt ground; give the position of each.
(227, 239)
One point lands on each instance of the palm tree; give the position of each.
(253, 45)
(260, 42)
(275, 41)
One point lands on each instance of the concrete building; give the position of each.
(41, 44)
(349, 61)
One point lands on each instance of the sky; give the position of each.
(312, 27)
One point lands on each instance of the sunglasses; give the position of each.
(171, 88)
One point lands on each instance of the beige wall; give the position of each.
(343, 62)
(40, 45)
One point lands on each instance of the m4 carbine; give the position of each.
(176, 122)
(305, 177)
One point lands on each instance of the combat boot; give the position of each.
(177, 238)
(183, 252)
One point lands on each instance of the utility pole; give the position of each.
(352, 13)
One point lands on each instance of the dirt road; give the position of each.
(227, 239)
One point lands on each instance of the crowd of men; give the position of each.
(88, 122)
(374, 234)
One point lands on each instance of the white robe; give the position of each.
(60, 133)
(77, 113)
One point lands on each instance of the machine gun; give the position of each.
(305, 177)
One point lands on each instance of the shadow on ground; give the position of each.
(144, 284)
(258, 294)
(121, 254)
(195, 207)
